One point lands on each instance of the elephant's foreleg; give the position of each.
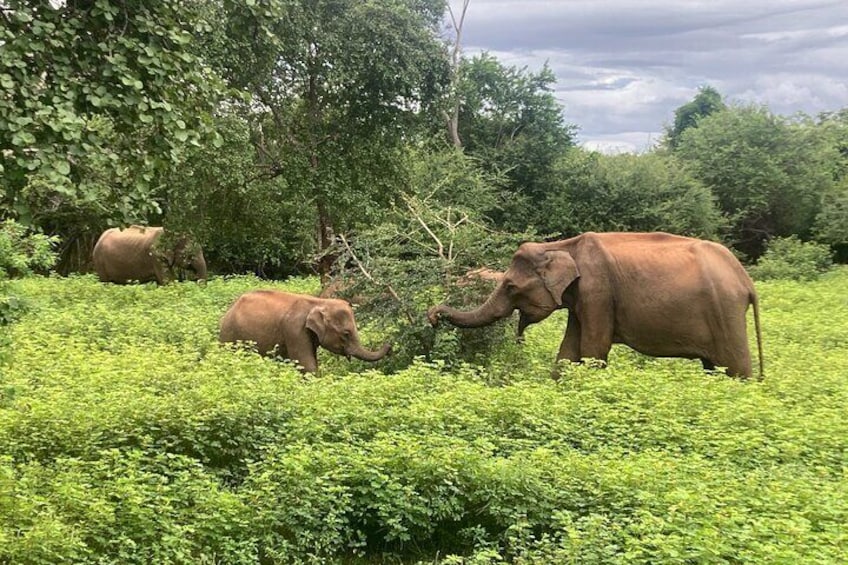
(595, 336)
(569, 349)
(303, 351)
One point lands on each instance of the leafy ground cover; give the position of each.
(127, 435)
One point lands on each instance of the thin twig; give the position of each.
(441, 247)
(368, 276)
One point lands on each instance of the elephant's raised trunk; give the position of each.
(496, 307)
(367, 355)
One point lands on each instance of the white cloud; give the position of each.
(785, 93)
(623, 142)
(624, 66)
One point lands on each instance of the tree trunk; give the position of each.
(325, 223)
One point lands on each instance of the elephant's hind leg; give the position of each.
(740, 366)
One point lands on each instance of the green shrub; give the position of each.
(21, 252)
(791, 258)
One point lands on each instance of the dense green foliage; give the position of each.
(769, 173)
(128, 435)
(706, 102)
(419, 254)
(653, 192)
(289, 136)
(21, 253)
(513, 125)
(790, 258)
(329, 92)
(96, 99)
(270, 129)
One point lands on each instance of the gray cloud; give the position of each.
(623, 66)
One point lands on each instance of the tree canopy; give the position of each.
(768, 172)
(708, 101)
(269, 129)
(96, 98)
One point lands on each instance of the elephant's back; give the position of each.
(123, 255)
(255, 316)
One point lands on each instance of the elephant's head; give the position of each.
(184, 259)
(333, 324)
(534, 284)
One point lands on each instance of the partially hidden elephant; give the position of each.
(294, 325)
(663, 295)
(140, 253)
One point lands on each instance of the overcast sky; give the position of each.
(624, 66)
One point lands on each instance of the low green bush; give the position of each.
(21, 252)
(791, 258)
(128, 435)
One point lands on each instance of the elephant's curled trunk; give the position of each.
(367, 355)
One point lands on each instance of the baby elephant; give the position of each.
(295, 324)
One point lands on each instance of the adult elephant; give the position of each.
(663, 295)
(294, 325)
(141, 253)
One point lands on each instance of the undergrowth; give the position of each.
(127, 435)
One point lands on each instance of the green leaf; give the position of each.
(62, 167)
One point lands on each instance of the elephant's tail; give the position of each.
(756, 304)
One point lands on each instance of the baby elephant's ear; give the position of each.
(316, 322)
(558, 270)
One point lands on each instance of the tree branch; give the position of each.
(368, 276)
(417, 216)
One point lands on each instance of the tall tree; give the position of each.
(511, 121)
(832, 222)
(334, 87)
(708, 101)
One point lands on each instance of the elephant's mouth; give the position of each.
(532, 315)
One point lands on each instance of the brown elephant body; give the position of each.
(663, 295)
(131, 254)
(294, 325)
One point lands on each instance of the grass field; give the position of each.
(127, 435)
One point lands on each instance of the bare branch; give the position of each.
(441, 247)
(452, 119)
(368, 276)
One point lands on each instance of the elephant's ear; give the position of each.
(316, 322)
(558, 270)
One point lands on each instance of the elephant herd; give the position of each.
(663, 295)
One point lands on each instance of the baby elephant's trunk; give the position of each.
(366, 355)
